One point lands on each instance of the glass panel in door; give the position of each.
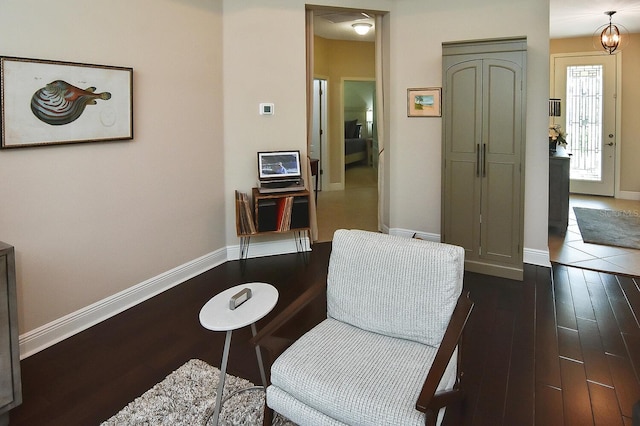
(586, 86)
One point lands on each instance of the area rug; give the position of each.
(187, 397)
(609, 227)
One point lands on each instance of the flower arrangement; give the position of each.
(557, 135)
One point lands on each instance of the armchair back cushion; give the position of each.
(395, 286)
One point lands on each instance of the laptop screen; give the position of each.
(279, 165)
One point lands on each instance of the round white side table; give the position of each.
(216, 315)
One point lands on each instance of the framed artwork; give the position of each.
(51, 102)
(424, 102)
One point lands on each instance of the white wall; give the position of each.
(90, 220)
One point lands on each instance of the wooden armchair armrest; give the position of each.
(429, 399)
(276, 345)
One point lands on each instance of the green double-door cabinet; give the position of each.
(483, 138)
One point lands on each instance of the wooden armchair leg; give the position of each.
(430, 418)
(267, 416)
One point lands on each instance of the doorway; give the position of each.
(358, 106)
(349, 195)
(586, 85)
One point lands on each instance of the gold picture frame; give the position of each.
(424, 102)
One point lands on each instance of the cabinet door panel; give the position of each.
(464, 107)
(502, 107)
(500, 213)
(462, 218)
(503, 135)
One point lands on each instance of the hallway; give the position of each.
(356, 207)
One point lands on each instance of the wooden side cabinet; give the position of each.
(10, 383)
(559, 163)
(276, 212)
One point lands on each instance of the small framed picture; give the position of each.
(424, 102)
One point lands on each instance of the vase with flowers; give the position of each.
(557, 136)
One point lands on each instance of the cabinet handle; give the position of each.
(484, 160)
(478, 160)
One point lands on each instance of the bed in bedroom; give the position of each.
(355, 147)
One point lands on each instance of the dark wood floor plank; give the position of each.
(546, 348)
(624, 316)
(491, 402)
(519, 407)
(607, 324)
(575, 394)
(549, 410)
(625, 383)
(593, 354)
(477, 333)
(605, 406)
(580, 294)
(569, 344)
(565, 313)
(632, 343)
(631, 292)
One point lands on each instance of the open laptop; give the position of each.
(279, 171)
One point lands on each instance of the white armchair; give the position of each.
(387, 352)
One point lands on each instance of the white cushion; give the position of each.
(391, 285)
(337, 373)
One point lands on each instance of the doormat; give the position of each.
(609, 227)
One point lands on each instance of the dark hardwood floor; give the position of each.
(533, 353)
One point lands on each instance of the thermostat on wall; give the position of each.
(266, 109)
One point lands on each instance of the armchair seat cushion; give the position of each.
(340, 374)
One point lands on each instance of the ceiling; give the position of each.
(568, 18)
(575, 18)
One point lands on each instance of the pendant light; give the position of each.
(610, 36)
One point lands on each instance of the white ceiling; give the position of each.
(568, 18)
(574, 18)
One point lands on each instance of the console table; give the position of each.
(10, 383)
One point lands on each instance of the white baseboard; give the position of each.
(49, 334)
(628, 195)
(537, 257)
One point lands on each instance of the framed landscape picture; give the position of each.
(51, 102)
(424, 102)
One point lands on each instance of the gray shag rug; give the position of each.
(609, 227)
(188, 396)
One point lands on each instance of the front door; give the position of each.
(586, 85)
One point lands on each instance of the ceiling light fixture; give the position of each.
(361, 27)
(610, 36)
